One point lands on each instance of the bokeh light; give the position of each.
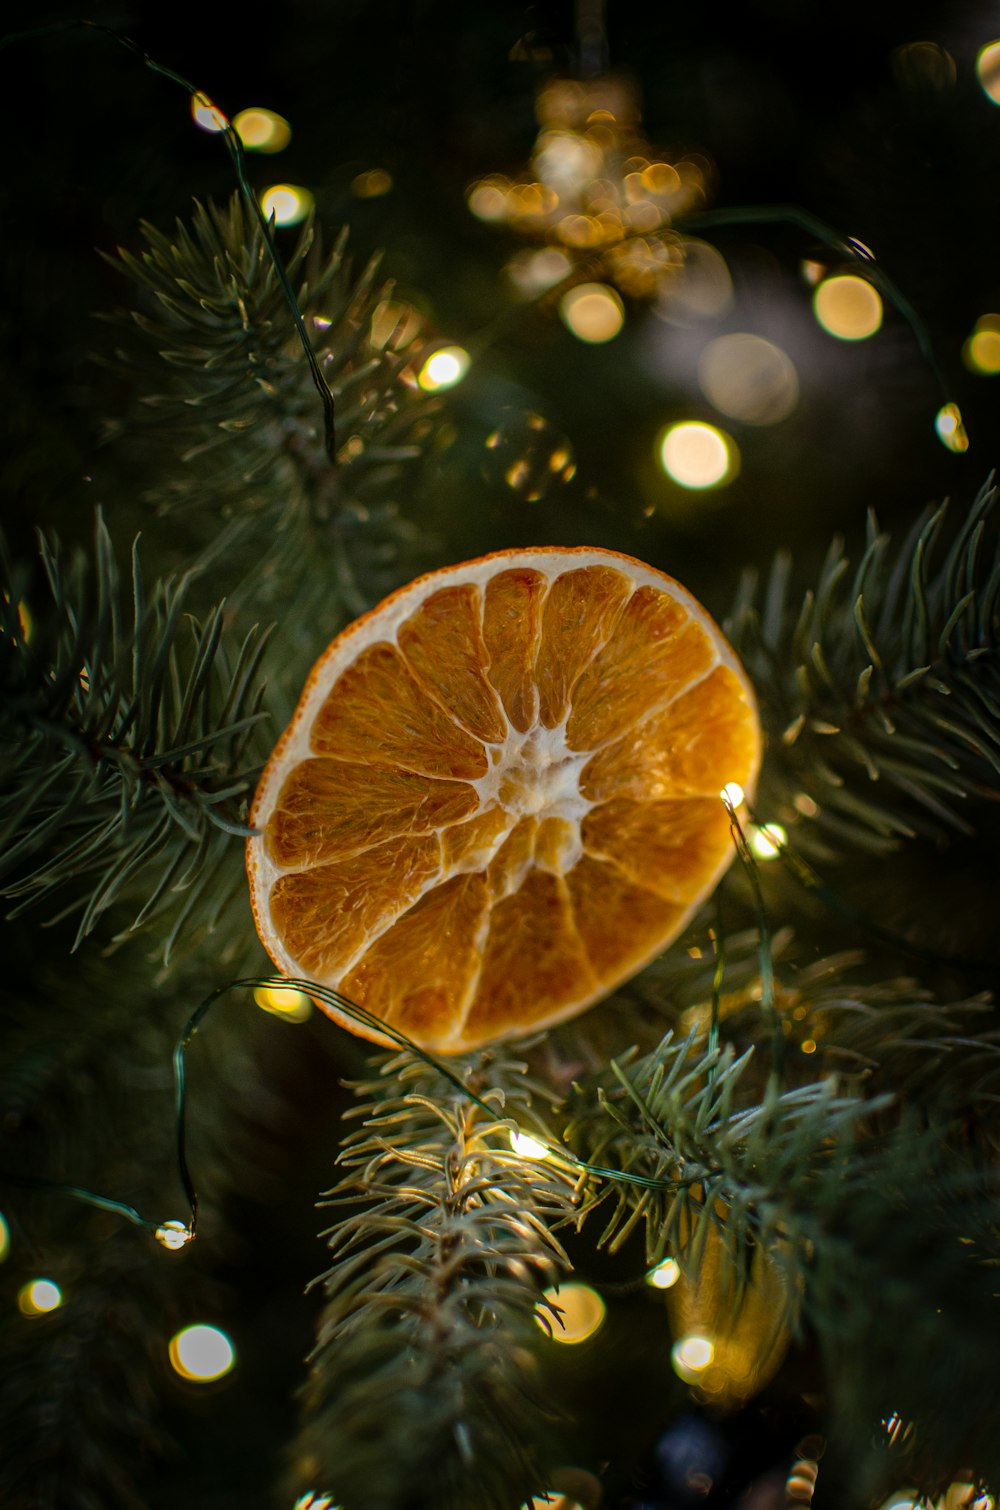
(703, 290)
(848, 307)
(201, 1353)
(534, 272)
(733, 793)
(981, 352)
(582, 1309)
(904, 1499)
(593, 312)
(284, 1002)
(528, 455)
(371, 184)
(553, 1501)
(950, 428)
(206, 115)
(528, 1147)
(38, 1297)
(697, 455)
(664, 1275)
(313, 1501)
(767, 841)
(443, 369)
(749, 378)
(4, 1238)
(173, 1235)
(262, 130)
(924, 66)
(691, 1355)
(287, 203)
(988, 70)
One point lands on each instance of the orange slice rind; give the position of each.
(499, 795)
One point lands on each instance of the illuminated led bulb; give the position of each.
(173, 1235)
(697, 455)
(284, 1002)
(201, 1353)
(767, 842)
(443, 369)
(981, 352)
(691, 1355)
(664, 1275)
(593, 312)
(733, 793)
(950, 428)
(287, 203)
(206, 115)
(988, 70)
(528, 1147)
(38, 1297)
(848, 307)
(262, 130)
(4, 1238)
(372, 185)
(582, 1310)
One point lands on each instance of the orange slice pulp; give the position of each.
(499, 795)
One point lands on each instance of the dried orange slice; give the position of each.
(499, 794)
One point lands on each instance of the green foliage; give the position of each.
(422, 1376)
(880, 691)
(230, 419)
(125, 745)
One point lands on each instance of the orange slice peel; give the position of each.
(499, 795)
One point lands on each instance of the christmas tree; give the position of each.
(380, 291)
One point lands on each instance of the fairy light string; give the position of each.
(234, 146)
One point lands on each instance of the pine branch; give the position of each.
(422, 1378)
(229, 412)
(124, 751)
(880, 694)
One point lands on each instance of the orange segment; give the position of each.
(443, 642)
(656, 649)
(671, 848)
(325, 915)
(620, 924)
(511, 613)
(499, 794)
(328, 808)
(418, 974)
(353, 722)
(578, 616)
(533, 960)
(709, 731)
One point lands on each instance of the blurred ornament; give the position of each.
(529, 455)
(596, 191)
(731, 1328)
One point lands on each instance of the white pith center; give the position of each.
(536, 775)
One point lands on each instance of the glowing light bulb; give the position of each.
(583, 1313)
(284, 1002)
(981, 352)
(691, 1355)
(372, 185)
(206, 115)
(848, 307)
(988, 70)
(287, 203)
(201, 1353)
(697, 455)
(950, 428)
(593, 312)
(173, 1235)
(527, 1146)
(664, 1275)
(733, 793)
(768, 841)
(4, 1238)
(262, 130)
(38, 1297)
(443, 369)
